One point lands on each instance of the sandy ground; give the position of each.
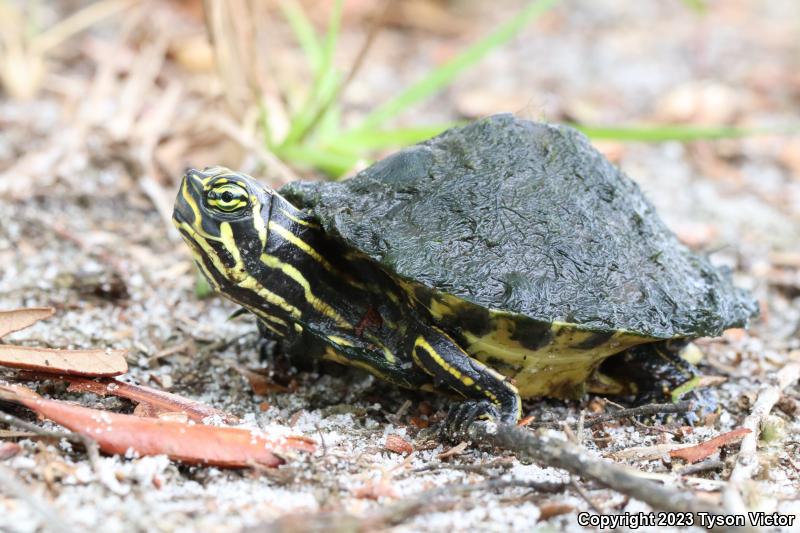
(82, 232)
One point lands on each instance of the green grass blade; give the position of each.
(698, 6)
(666, 132)
(443, 75)
(304, 32)
(358, 142)
(326, 81)
(332, 163)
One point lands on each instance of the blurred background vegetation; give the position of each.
(324, 87)
(104, 104)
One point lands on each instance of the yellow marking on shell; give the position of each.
(556, 369)
(318, 304)
(298, 328)
(297, 220)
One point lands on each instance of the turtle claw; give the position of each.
(463, 415)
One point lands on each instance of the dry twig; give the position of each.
(557, 453)
(736, 493)
(642, 410)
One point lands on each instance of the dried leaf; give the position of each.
(549, 510)
(71, 362)
(9, 450)
(692, 454)
(646, 452)
(397, 444)
(17, 319)
(260, 384)
(458, 449)
(419, 422)
(526, 421)
(160, 400)
(186, 442)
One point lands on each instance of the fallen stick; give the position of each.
(558, 453)
(642, 410)
(747, 463)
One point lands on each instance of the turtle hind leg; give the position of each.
(657, 373)
(487, 394)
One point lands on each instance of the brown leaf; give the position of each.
(260, 383)
(71, 362)
(160, 400)
(190, 443)
(692, 454)
(17, 319)
(419, 422)
(9, 450)
(458, 449)
(397, 444)
(526, 421)
(549, 510)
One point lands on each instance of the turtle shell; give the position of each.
(527, 219)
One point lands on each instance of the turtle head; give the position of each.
(223, 216)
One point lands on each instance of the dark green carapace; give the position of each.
(501, 259)
(528, 218)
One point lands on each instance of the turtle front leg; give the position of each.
(488, 395)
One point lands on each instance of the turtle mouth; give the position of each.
(189, 199)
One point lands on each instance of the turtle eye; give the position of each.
(228, 197)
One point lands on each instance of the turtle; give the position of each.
(501, 260)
